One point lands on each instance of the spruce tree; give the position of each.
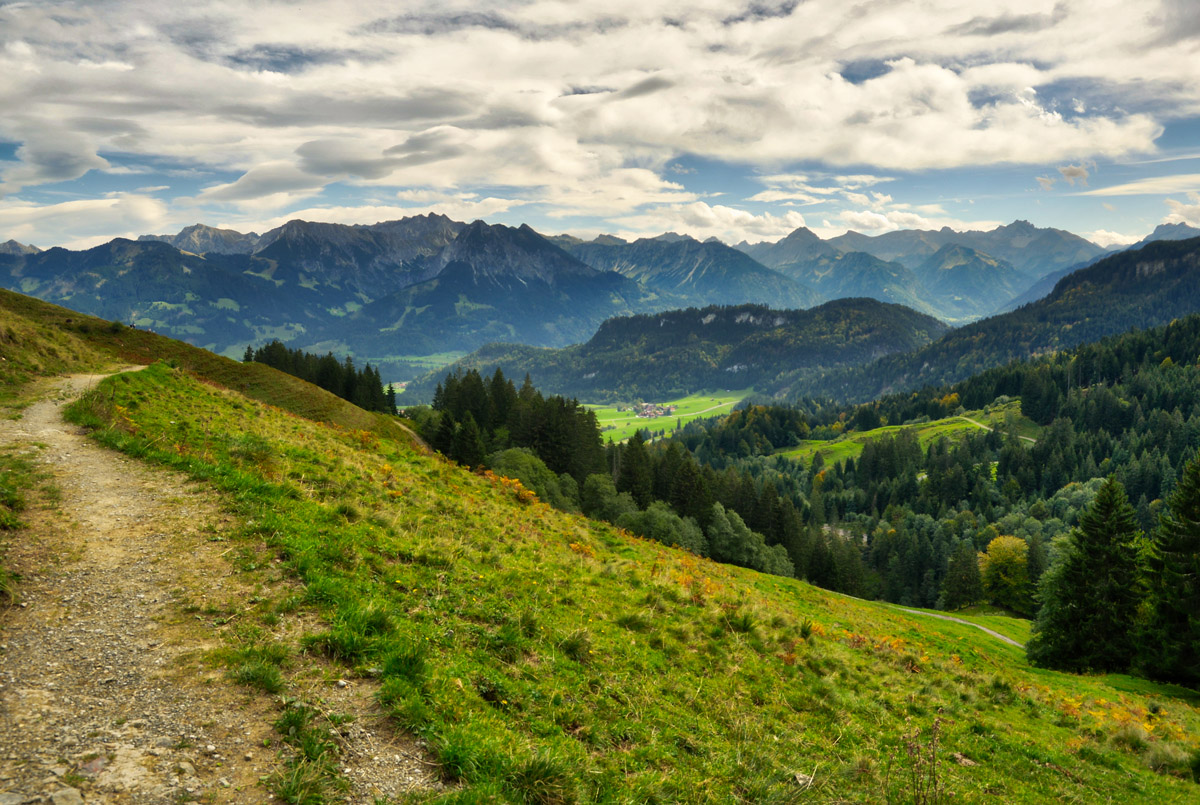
(467, 448)
(1090, 597)
(1171, 640)
(636, 476)
(443, 437)
(963, 585)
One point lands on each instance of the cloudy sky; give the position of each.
(742, 119)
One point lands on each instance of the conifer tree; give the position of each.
(962, 585)
(1090, 597)
(636, 475)
(1171, 640)
(467, 448)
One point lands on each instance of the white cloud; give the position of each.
(879, 221)
(702, 221)
(82, 223)
(1184, 213)
(1104, 238)
(459, 209)
(1154, 186)
(580, 104)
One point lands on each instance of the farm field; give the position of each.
(617, 426)
(850, 445)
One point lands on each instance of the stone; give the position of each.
(66, 796)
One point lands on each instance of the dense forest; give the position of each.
(363, 387)
(944, 525)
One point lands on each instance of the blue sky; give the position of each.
(739, 120)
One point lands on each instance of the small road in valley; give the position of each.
(987, 428)
(992, 632)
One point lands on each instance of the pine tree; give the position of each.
(1090, 597)
(443, 437)
(1171, 640)
(963, 585)
(467, 448)
(636, 475)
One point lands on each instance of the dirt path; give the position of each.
(106, 691)
(1029, 439)
(992, 632)
(101, 692)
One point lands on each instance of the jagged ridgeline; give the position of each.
(673, 354)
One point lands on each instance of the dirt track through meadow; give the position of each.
(101, 691)
(106, 690)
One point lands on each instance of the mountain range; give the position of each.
(1136, 288)
(427, 285)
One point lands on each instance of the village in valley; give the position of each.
(653, 410)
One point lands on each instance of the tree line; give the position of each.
(363, 387)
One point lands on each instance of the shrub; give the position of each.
(542, 780)
(577, 645)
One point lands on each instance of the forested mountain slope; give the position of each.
(1140, 288)
(671, 354)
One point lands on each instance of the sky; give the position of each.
(716, 118)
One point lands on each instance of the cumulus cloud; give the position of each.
(1074, 174)
(1184, 212)
(879, 221)
(566, 101)
(458, 208)
(702, 220)
(1106, 239)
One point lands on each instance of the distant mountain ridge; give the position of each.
(676, 352)
(13, 247)
(1139, 288)
(421, 285)
(695, 272)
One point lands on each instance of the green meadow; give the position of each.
(1006, 417)
(617, 426)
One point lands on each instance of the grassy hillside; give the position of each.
(38, 338)
(547, 658)
(850, 445)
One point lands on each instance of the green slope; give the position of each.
(1004, 416)
(546, 658)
